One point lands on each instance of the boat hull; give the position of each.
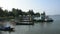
(24, 23)
(6, 29)
(43, 20)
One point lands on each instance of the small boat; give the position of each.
(6, 26)
(48, 20)
(6, 29)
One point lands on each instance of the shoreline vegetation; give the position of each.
(5, 14)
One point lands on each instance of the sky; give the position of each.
(51, 7)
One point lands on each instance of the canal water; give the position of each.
(38, 28)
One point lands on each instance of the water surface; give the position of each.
(39, 28)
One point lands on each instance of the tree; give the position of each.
(1, 12)
(19, 12)
(31, 12)
(11, 14)
(14, 11)
(38, 14)
(6, 13)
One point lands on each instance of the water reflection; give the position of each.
(1, 32)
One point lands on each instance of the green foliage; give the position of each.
(16, 12)
(31, 12)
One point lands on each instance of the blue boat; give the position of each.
(6, 26)
(6, 29)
